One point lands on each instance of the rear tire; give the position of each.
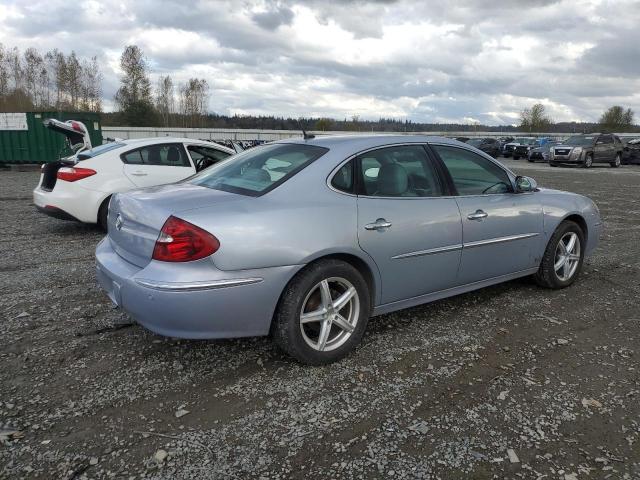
(616, 163)
(103, 213)
(516, 158)
(309, 307)
(561, 265)
(552, 164)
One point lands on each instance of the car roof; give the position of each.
(368, 141)
(139, 142)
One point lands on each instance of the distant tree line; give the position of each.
(32, 80)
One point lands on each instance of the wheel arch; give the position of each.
(367, 269)
(578, 219)
(106, 199)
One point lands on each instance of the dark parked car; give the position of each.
(462, 139)
(542, 153)
(630, 150)
(523, 147)
(487, 145)
(504, 140)
(585, 150)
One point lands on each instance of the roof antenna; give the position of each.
(307, 136)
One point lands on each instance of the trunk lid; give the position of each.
(136, 217)
(76, 133)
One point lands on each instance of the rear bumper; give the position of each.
(56, 212)
(194, 299)
(69, 202)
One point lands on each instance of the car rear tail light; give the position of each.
(71, 174)
(181, 241)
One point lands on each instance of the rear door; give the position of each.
(500, 229)
(157, 164)
(605, 149)
(405, 221)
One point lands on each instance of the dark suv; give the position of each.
(585, 150)
(487, 145)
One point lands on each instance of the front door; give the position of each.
(405, 224)
(500, 229)
(157, 164)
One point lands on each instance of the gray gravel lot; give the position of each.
(510, 381)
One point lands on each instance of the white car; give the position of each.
(80, 187)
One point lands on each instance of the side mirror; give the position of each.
(525, 184)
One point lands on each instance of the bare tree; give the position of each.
(134, 95)
(165, 102)
(4, 73)
(194, 101)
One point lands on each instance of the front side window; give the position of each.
(168, 155)
(259, 170)
(473, 174)
(402, 171)
(204, 157)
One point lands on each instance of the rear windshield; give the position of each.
(94, 152)
(579, 140)
(256, 171)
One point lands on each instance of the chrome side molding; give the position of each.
(195, 286)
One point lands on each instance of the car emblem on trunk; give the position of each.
(119, 222)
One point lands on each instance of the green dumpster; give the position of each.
(24, 138)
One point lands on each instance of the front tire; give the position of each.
(563, 257)
(323, 313)
(552, 164)
(588, 162)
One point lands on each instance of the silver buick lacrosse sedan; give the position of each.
(305, 239)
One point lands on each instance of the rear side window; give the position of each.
(473, 174)
(259, 170)
(168, 155)
(343, 178)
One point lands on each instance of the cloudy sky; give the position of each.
(433, 61)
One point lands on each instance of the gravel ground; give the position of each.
(510, 381)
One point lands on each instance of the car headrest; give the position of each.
(257, 175)
(173, 155)
(392, 180)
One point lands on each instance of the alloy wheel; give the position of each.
(588, 161)
(567, 256)
(329, 314)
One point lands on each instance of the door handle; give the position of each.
(139, 174)
(478, 215)
(379, 224)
